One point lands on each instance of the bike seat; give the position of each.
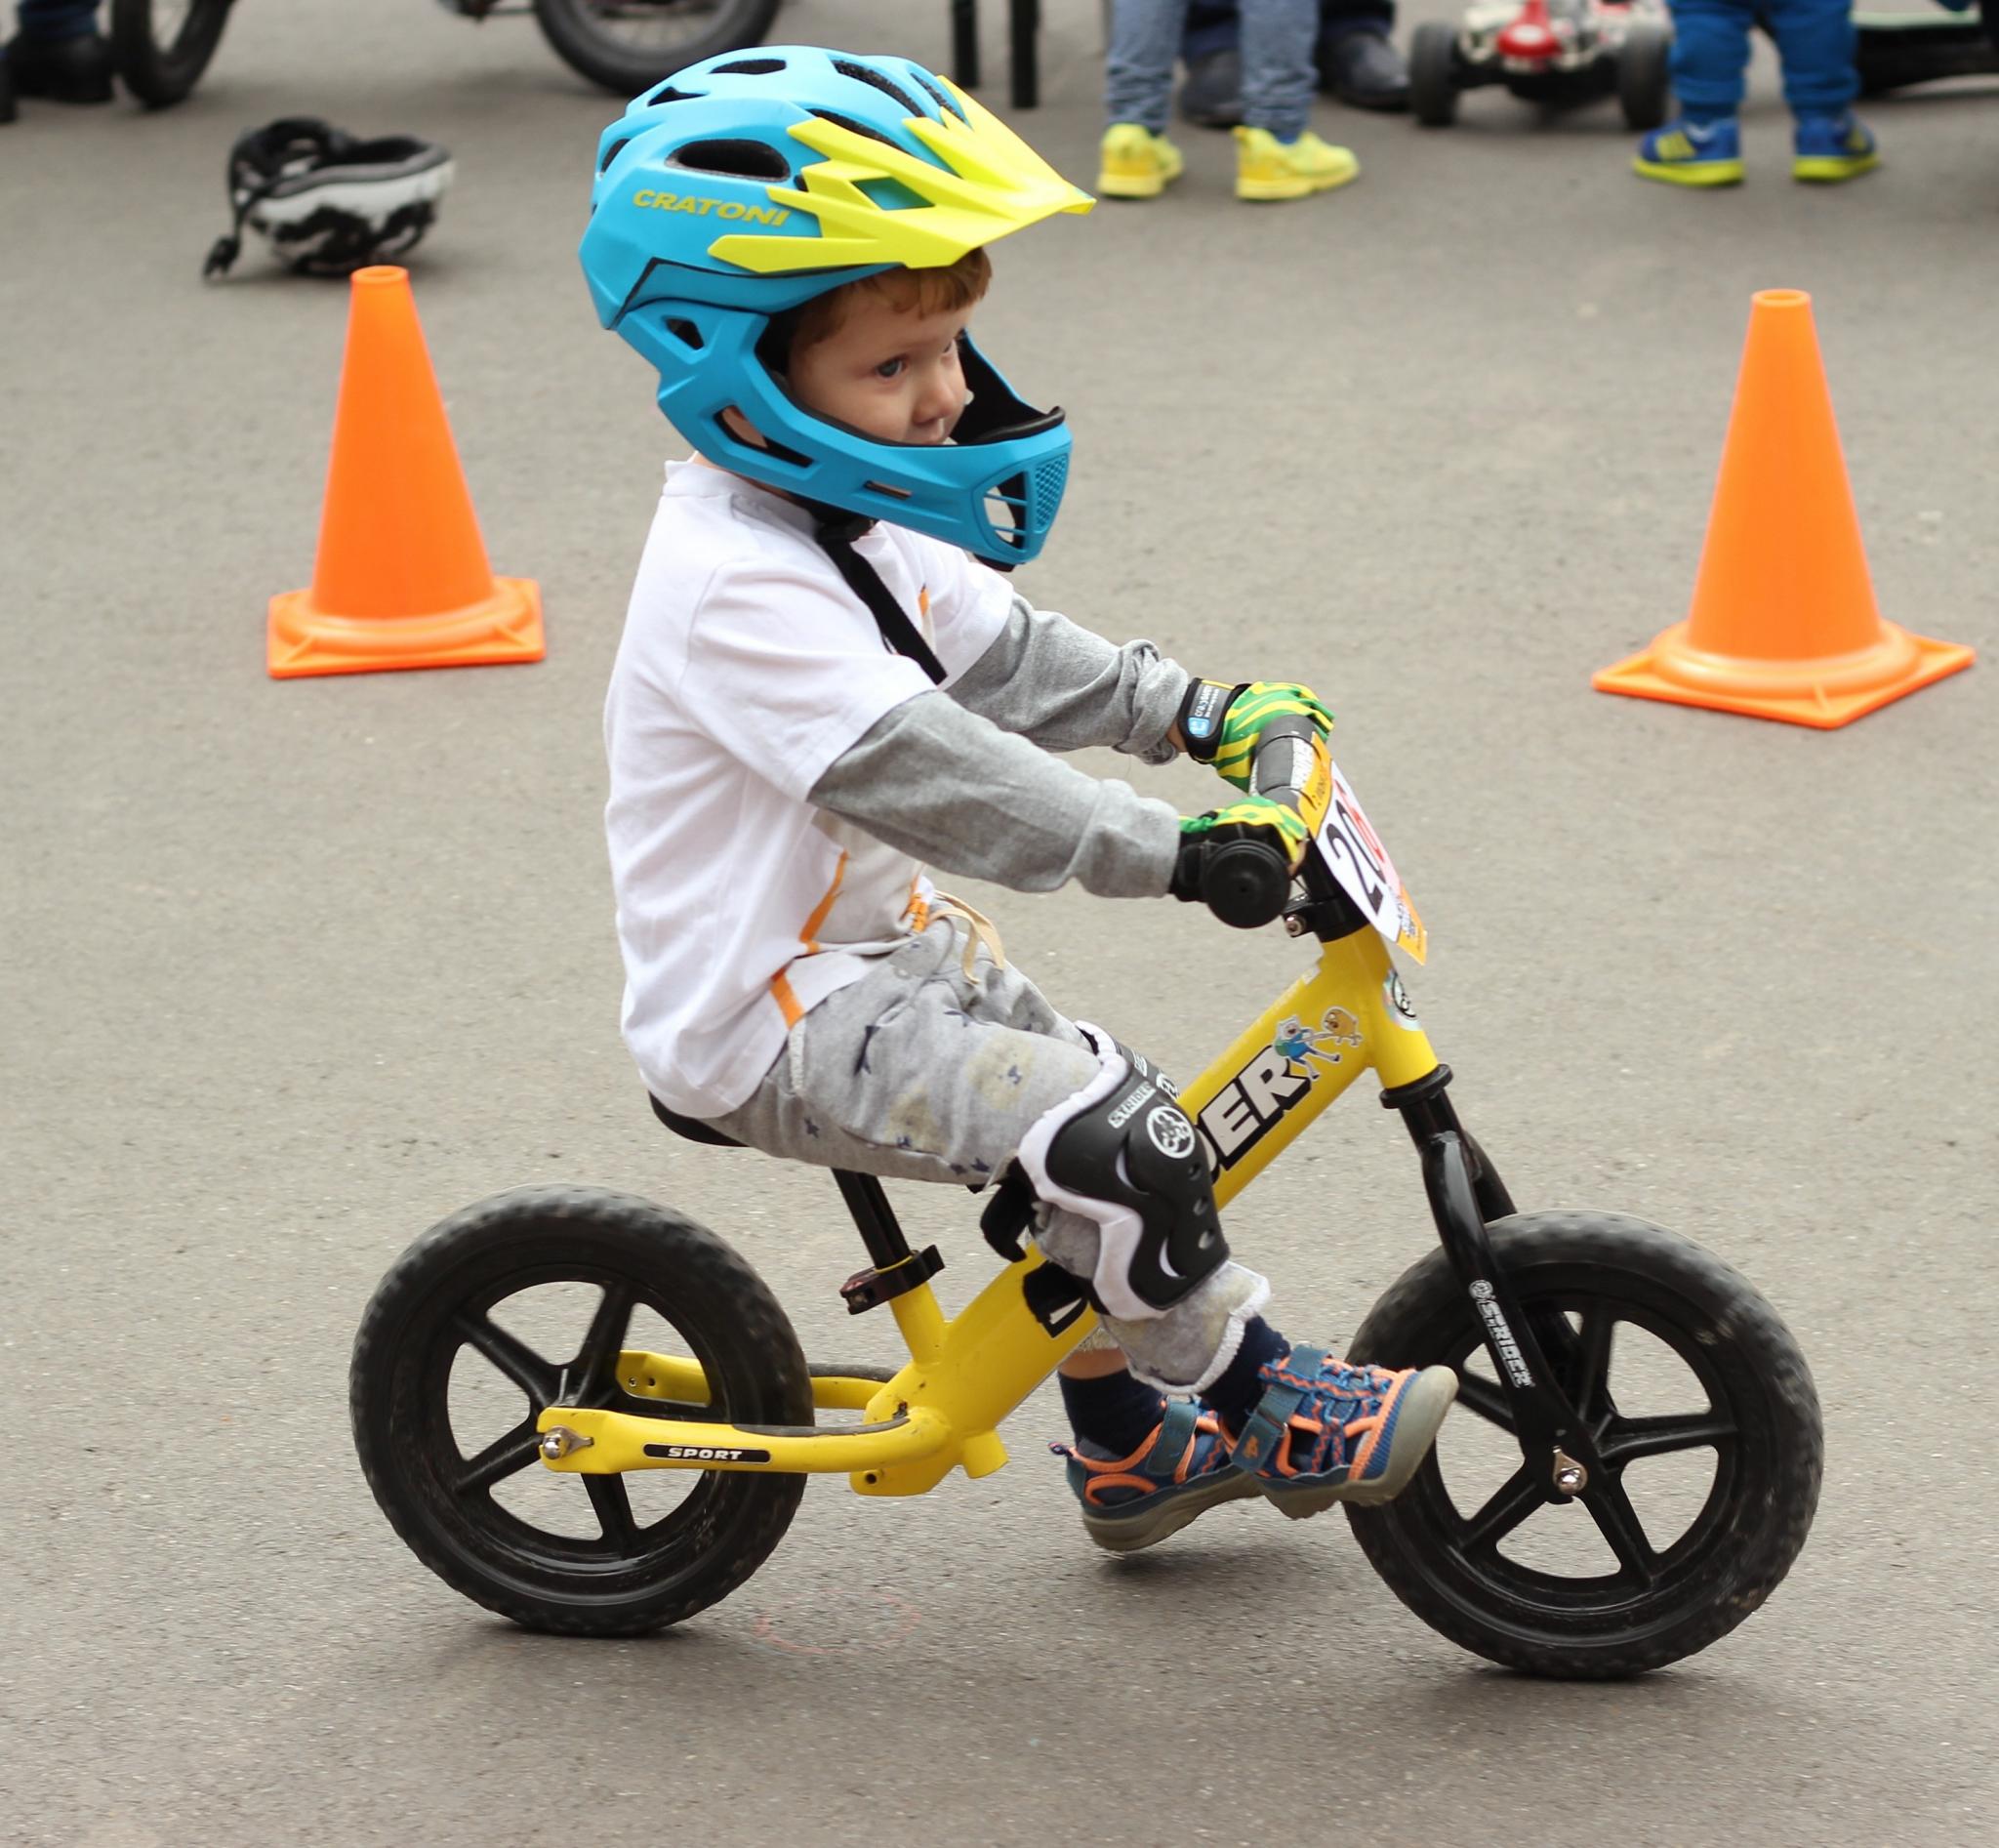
(692, 1127)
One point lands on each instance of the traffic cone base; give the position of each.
(1784, 622)
(506, 627)
(402, 578)
(1826, 692)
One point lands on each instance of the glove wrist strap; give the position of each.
(1202, 712)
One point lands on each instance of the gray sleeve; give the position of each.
(951, 788)
(1053, 681)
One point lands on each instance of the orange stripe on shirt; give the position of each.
(781, 990)
(809, 935)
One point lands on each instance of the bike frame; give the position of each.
(966, 1373)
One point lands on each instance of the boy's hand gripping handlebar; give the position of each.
(1239, 860)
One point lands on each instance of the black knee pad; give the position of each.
(1122, 1153)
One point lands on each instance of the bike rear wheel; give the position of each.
(526, 1301)
(161, 47)
(625, 45)
(1712, 1460)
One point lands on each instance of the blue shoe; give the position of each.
(1827, 149)
(1179, 1472)
(1324, 1431)
(1685, 154)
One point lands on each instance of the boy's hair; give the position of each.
(906, 291)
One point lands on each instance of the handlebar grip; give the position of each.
(1245, 882)
(1282, 766)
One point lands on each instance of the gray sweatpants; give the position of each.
(920, 1071)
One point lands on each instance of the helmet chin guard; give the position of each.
(745, 187)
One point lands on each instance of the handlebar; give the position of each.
(1246, 884)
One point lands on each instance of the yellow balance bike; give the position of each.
(1633, 1467)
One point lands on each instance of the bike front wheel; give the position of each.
(625, 45)
(161, 47)
(527, 1301)
(1700, 1406)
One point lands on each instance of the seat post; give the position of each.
(879, 1230)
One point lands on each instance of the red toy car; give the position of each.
(1555, 52)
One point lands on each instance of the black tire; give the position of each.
(1645, 75)
(1762, 1422)
(585, 36)
(437, 1300)
(1433, 74)
(162, 71)
(1989, 13)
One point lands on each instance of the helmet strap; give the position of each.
(836, 532)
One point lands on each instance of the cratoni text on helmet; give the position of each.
(701, 208)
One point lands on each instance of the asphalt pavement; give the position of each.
(290, 971)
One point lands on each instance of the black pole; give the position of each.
(1025, 16)
(964, 43)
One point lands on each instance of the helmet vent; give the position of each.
(612, 152)
(852, 127)
(861, 73)
(685, 332)
(944, 101)
(884, 487)
(665, 93)
(740, 159)
(751, 67)
(777, 451)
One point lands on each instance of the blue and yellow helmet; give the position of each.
(745, 186)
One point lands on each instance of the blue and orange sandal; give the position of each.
(1324, 1431)
(1179, 1472)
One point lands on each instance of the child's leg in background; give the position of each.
(1279, 74)
(1710, 53)
(1138, 72)
(1814, 40)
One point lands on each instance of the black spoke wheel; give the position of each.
(628, 45)
(582, 1555)
(161, 47)
(1605, 1294)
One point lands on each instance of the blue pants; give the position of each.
(51, 19)
(1814, 40)
(1279, 76)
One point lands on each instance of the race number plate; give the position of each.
(1353, 853)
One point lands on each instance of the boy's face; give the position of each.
(892, 374)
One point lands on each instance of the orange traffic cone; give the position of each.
(401, 580)
(1783, 623)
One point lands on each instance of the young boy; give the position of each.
(817, 686)
(1277, 155)
(1814, 40)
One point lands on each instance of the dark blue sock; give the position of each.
(1234, 1395)
(1113, 1413)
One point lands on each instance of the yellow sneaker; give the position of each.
(1267, 168)
(1136, 163)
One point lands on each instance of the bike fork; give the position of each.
(1465, 1192)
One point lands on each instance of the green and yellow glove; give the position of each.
(1253, 818)
(1220, 723)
